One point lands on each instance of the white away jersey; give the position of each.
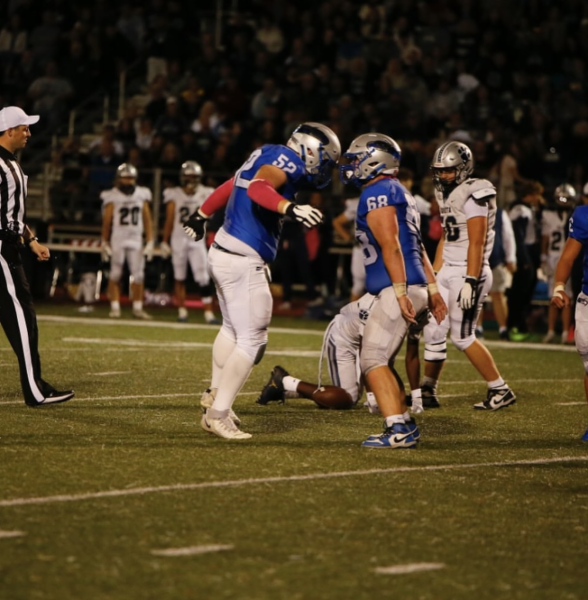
(185, 205)
(553, 226)
(472, 198)
(127, 220)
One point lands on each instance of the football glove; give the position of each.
(195, 225)
(467, 294)
(305, 214)
(165, 250)
(148, 251)
(105, 251)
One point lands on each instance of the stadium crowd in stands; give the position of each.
(508, 79)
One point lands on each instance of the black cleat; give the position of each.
(54, 397)
(273, 391)
(430, 399)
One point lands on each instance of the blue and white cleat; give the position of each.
(397, 436)
(411, 425)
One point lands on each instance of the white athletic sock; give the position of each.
(235, 373)
(497, 383)
(182, 312)
(394, 419)
(416, 394)
(137, 305)
(223, 347)
(290, 383)
(115, 305)
(406, 416)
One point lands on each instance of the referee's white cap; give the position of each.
(13, 116)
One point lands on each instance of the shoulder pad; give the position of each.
(481, 190)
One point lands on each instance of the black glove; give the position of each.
(195, 225)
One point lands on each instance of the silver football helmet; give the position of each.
(565, 195)
(319, 148)
(190, 174)
(452, 156)
(128, 172)
(370, 155)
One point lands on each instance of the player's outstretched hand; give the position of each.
(195, 225)
(305, 214)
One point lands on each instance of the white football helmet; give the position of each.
(452, 156)
(128, 172)
(190, 174)
(370, 155)
(565, 195)
(319, 148)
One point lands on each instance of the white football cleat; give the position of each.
(224, 428)
(206, 401)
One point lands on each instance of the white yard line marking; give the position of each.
(161, 324)
(192, 550)
(170, 345)
(135, 397)
(11, 534)
(410, 568)
(180, 487)
(187, 326)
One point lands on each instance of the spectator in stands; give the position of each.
(13, 42)
(50, 95)
(102, 167)
(172, 123)
(145, 134)
(109, 134)
(170, 161)
(44, 38)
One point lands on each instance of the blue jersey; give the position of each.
(578, 225)
(390, 192)
(249, 222)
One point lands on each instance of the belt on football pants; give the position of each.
(219, 247)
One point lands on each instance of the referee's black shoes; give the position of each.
(54, 397)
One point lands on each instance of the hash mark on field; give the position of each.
(11, 534)
(180, 487)
(410, 568)
(109, 373)
(570, 403)
(192, 550)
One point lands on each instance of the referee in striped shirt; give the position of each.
(17, 314)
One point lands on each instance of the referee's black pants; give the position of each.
(19, 321)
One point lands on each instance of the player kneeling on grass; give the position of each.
(388, 230)
(576, 243)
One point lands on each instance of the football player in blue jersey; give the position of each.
(256, 198)
(397, 273)
(577, 242)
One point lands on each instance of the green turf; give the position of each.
(504, 530)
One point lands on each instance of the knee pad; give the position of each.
(436, 351)
(372, 359)
(464, 343)
(115, 272)
(254, 346)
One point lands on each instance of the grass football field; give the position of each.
(119, 494)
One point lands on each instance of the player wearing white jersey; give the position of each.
(554, 232)
(344, 225)
(180, 203)
(468, 210)
(126, 218)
